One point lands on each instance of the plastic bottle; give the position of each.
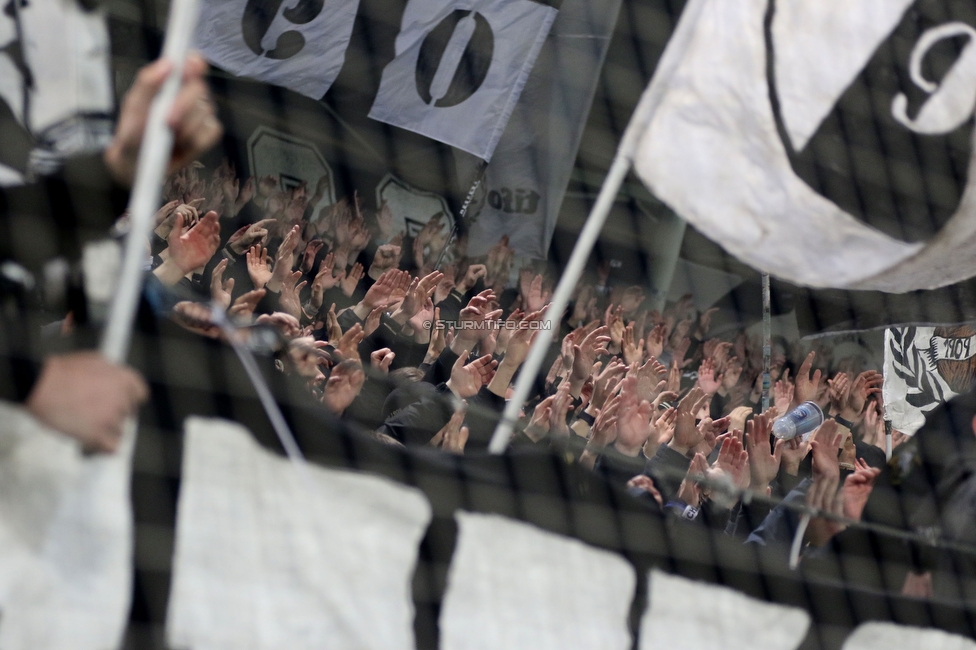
(802, 420)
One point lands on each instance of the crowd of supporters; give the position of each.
(420, 355)
(412, 342)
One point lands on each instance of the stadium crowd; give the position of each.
(421, 356)
(376, 330)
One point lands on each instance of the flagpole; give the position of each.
(154, 156)
(767, 342)
(560, 299)
(461, 214)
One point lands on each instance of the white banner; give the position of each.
(514, 586)
(687, 615)
(269, 556)
(299, 45)
(816, 150)
(460, 67)
(65, 539)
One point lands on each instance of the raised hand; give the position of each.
(422, 322)
(538, 426)
(633, 352)
(381, 292)
(730, 377)
(521, 339)
(662, 429)
(163, 215)
(557, 415)
(614, 321)
(418, 292)
(192, 118)
(837, 391)
(807, 386)
(381, 359)
(258, 266)
(323, 281)
(874, 428)
(284, 259)
(308, 257)
(733, 461)
(344, 384)
(763, 461)
(606, 383)
(220, 291)
(857, 488)
(372, 321)
(705, 322)
(679, 351)
(246, 194)
(471, 277)
(674, 378)
(468, 378)
(655, 341)
(289, 300)
(453, 436)
(633, 420)
(867, 383)
(536, 298)
(243, 308)
(387, 257)
(825, 448)
(189, 250)
(783, 393)
(332, 325)
(347, 347)
(707, 380)
(248, 236)
(586, 352)
(686, 433)
(350, 281)
(475, 313)
(286, 324)
(444, 287)
(438, 338)
(690, 491)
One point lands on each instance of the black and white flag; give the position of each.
(523, 186)
(460, 67)
(925, 367)
(56, 95)
(299, 45)
(828, 143)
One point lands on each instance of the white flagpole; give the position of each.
(767, 342)
(560, 299)
(154, 156)
(594, 224)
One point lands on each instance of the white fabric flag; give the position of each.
(65, 75)
(925, 367)
(65, 539)
(272, 555)
(886, 636)
(460, 67)
(817, 150)
(299, 45)
(514, 586)
(686, 615)
(523, 187)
